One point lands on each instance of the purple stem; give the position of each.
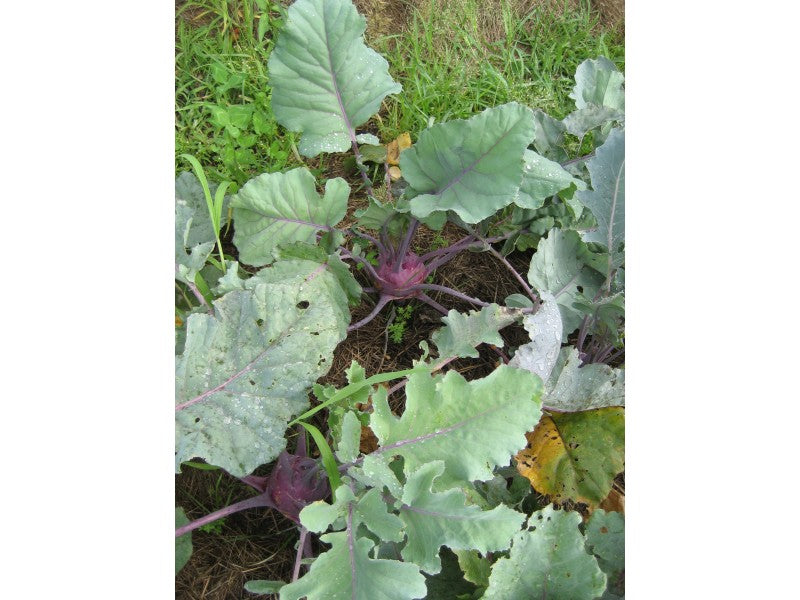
(431, 302)
(301, 546)
(447, 290)
(401, 254)
(386, 241)
(465, 241)
(579, 159)
(262, 500)
(381, 248)
(367, 265)
(382, 301)
(531, 294)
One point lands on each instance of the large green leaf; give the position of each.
(562, 266)
(346, 572)
(549, 136)
(548, 560)
(325, 81)
(472, 167)
(574, 387)
(435, 519)
(246, 370)
(474, 426)
(463, 332)
(541, 179)
(281, 208)
(606, 199)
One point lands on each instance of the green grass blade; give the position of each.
(328, 460)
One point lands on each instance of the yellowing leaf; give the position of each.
(178, 321)
(575, 456)
(395, 147)
(394, 173)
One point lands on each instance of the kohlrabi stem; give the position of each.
(360, 164)
(262, 500)
(401, 253)
(382, 301)
(533, 295)
(379, 245)
(431, 302)
(367, 265)
(200, 297)
(301, 545)
(447, 290)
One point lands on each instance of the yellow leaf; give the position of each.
(394, 173)
(178, 321)
(575, 456)
(395, 147)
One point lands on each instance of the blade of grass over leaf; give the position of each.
(328, 460)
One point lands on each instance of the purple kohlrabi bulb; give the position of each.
(295, 482)
(411, 272)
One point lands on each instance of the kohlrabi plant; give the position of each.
(457, 467)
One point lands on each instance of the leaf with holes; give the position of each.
(472, 167)
(325, 81)
(547, 560)
(276, 209)
(247, 369)
(575, 456)
(463, 332)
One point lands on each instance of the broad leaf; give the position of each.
(434, 519)
(598, 82)
(606, 199)
(246, 370)
(474, 426)
(346, 572)
(281, 208)
(325, 81)
(541, 179)
(475, 567)
(561, 266)
(549, 136)
(540, 354)
(183, 544)
(462, 332)
(194, 232)
(547, 561)
(585, 119)
(472, 167)
(574, 388)
(576, 456)
(333, 263)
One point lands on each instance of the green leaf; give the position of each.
(282, 208)
(473, 426)
(348, 448)
(547, 561)
(549, 137)
(434, 519)
(475, 567)
(325, 80)
(599, 82)
(574, 388)
(333, 263)
(472, 167)
(246, 370)
(326, 455)
(579, 122)
(194, 231)
(541, 179)
(605, 538)
(544, 327)
(320, 515)
(367, 138)
(375, 472)
(606, 199)
(183, 544)
(561, 266)
(346, 572)
(463, 332)
(373, 512)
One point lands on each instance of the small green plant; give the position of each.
(401, 318)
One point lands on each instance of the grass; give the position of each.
(454, 58)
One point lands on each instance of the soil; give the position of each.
(260, 543)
